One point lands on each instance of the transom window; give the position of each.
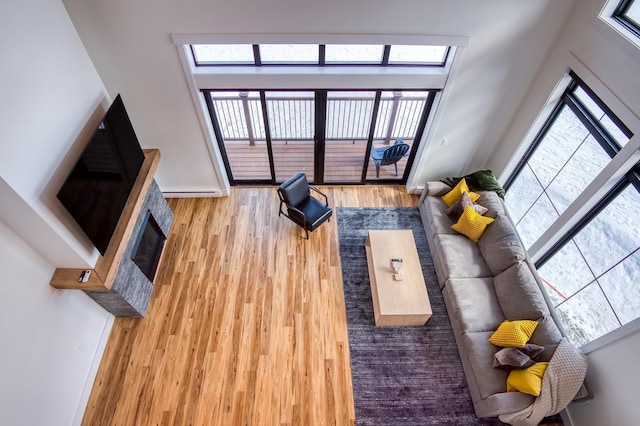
(318, 54)
(592, 272)
(628, 14)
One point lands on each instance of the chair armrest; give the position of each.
(289, 206)
(377, 153)
(326, 200)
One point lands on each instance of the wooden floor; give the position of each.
(246, 324)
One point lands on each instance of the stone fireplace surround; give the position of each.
(116, 282)
(131, 291)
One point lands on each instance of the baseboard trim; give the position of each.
(208, 194)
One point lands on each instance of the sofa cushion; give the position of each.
(518, 293)
(546, 334)
(473, 304)
(460, 258)
(500, 245)
(439, 223)
(480, 354)
(492, 201)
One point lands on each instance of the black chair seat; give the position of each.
(303, 209)
(315, 212)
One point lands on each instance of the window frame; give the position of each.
(624, 170)
(619, 15)
(571, 101)
(321, 61)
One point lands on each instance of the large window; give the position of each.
(591, 273)
(318, 54)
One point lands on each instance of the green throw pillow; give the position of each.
(482, 180)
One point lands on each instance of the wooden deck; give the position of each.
(343, 161)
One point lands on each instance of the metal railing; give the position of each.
(292, 118)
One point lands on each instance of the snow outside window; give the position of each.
(592, 276)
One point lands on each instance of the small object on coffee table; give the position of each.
(396, 265)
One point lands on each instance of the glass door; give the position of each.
(291, 118)
(335, 137)
(348, 125)
(238, 123)
(401, 119)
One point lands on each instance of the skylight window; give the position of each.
(289, 53)
(354, 53)
(223, 54)
(405, 54)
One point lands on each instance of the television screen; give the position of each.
(97, 188)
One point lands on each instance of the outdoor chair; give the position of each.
(303, 209)
(387, 155)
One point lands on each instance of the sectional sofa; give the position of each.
(484, 284)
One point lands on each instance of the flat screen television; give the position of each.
(96, 190)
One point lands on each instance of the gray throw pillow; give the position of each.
(517, 358)
(455, 211)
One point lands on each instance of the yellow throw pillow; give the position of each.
(472, 224)
(527, 380)
(453, 195)
(513, 333)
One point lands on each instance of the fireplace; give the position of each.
(148, 247)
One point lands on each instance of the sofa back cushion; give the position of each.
(491, 201)
(518, 293)
(500, 245)
(548, 335)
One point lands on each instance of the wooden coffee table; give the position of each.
(396, 303)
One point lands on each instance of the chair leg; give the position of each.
(396, 164)
(377, 171)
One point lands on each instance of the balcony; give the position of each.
(349, 116)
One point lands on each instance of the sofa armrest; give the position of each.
(434, 188)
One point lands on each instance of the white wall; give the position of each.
(52, 96)
(612, 65)
(130, 43)
(49, 340)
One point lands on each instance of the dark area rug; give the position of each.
(401, 375)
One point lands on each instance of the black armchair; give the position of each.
(385, 156)
(303, 209)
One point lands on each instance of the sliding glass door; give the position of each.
(267, 136)
(291, 118)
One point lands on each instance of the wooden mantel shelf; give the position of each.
(104, 272)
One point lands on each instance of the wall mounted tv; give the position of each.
(97, 188)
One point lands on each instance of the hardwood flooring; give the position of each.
(246, 324)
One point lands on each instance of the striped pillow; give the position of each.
(472, 224)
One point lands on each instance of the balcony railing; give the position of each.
(291, 128)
